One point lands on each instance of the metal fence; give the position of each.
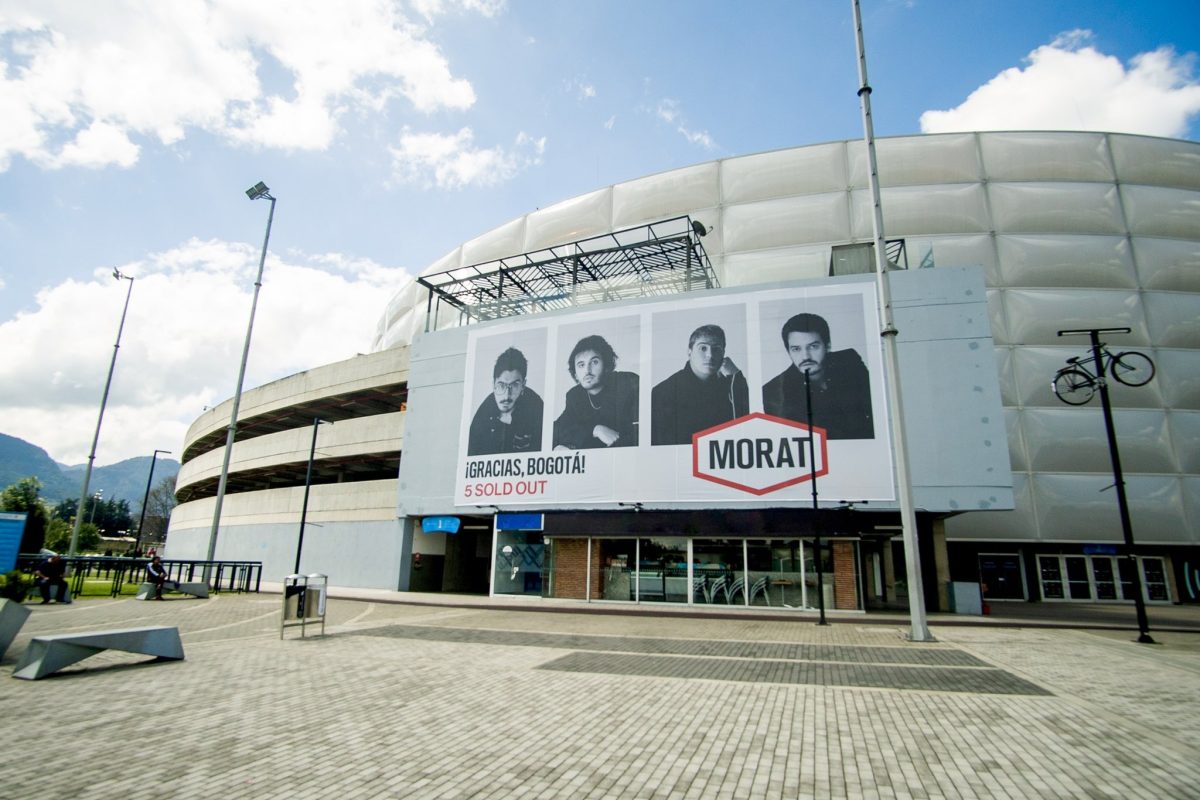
(89, 572)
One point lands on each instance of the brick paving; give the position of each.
(417, 701)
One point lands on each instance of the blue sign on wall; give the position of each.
(520, 522)
(443, 524)
(1100, 549)
(12, 526)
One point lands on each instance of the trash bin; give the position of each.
(303, 601)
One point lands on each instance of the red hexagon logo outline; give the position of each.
(822, 445)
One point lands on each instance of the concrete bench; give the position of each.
(197, 589)
(12, 617)
(50, 653)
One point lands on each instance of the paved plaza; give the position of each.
(404, 700)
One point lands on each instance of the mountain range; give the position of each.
(125, 480)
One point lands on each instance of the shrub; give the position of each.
(15, 585)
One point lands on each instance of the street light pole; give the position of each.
(87, 472)
(254, 193)
(312, 452)
(812, 465)
(919, 631)
(137, 543)
(1118, 476)
(95, 502)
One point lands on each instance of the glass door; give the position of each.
(1104, 575)
(662, 575)
(1050, 572)
(1079, 584)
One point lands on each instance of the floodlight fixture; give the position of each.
(259, 190)
(698, 228)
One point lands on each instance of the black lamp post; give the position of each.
(1101, 367)
(312, 452)
(137, 542)
(812, 465)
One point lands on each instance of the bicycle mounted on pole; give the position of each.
(1076, 383)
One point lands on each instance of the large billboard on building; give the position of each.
(719, 399)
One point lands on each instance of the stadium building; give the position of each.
(996, 241)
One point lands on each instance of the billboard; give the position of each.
(691, 400)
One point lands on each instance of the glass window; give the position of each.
(718, 571)
(616, 559)
(519, 562)
(1104, 574)
(1155, 579)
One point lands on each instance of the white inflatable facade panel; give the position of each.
(665, 195)
(1055, 208)
(1178, 377)
(766, 176)
(1035, 316)
(950, 208)
(1101, 262)
(1048, 156)
(769, 266)
(908, 161)
(1156, 211)
(790, 221)
(1072, 508)
(1168, 264)
(1069, 440)
(1185, 433)
(1173, 318)
(497, 243)
(1156, 162)
(577, 218)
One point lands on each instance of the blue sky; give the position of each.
(392, 132)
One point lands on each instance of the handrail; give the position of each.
(230, 576)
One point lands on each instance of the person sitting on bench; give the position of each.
(50, 573)
(156, 573)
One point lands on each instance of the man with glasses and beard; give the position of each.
(838, 381)
(509, 420)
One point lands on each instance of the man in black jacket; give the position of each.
(51, 574)
(509, 420)
(601, 409)
(839, 382)
(709, 390)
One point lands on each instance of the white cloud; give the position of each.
(608, 123)
(181, 345)
(1069, 85)
(81, 82)
(581, 88)
(434, 8)
(668, 111)
(451, 161)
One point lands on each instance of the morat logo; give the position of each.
(759, 454)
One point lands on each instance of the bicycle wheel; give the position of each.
(1073, 386)
(1132, 368)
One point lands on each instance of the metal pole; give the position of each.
(95, 502)
(908, 518)
(307, 483)
(812, 465)
(237, 395)
(87, 472)
(1118, 479)
(137, 542)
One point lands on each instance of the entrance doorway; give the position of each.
(1001, 576)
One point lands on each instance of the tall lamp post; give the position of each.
(137, 543)
(919, 632)
(1100, 366)
(255, 192)
(312, 452)
(87, 472)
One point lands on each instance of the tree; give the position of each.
(159, 505)
(58, 537)
(24, 495)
